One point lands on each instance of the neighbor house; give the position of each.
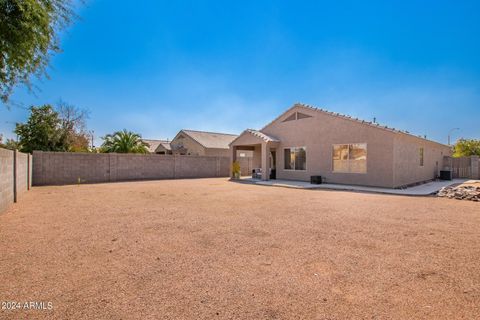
(201, 143)
(158, 146)
(305, 141)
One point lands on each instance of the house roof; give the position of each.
(257, 134)
(153, 144)
(213, 140)
(347, 117)
(165, 144)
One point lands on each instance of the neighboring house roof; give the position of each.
(165, 144)
(153, 144)
(257, 134)
(211, 140)
(347, 117)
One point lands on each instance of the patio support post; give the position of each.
(233, 158)
(265, 162)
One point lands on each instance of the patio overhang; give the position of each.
(249, 139)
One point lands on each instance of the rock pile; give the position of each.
(461, 193)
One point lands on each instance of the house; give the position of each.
(158, 146)
(201, 143)
(305, 141)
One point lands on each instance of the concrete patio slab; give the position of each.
(425, 189)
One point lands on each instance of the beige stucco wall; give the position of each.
(196, 149)
(319, 133)
(192, 146)
(407, 169)
(392, 157)
(251, 142)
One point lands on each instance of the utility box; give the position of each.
(316, 179)
(445, 175)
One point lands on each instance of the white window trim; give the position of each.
(306, 162)
(348, 144)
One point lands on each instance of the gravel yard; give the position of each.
(214, 249)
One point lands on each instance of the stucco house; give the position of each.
(305, 141)
(202, 143)
(158, 146)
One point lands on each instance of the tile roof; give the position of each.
(153, 144)
(262, 135)
(166, 145)
(347, 117)
(214, 140)
(258, 134)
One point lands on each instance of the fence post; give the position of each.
(174, 166)
(28, 171)
(15, 176)
(474, 163)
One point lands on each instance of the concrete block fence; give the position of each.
(15, 176)
(61, 168)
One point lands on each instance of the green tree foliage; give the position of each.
(124, 142)
(466, 147)
(42, 131)
(11, 145)
(49, 130)
(28, 37)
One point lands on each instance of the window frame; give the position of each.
(421, 156)
(348, 159)
(290, 148)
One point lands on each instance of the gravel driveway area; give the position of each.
(214, 249)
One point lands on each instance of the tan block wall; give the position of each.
(12, 186)
(217, 152)
(6, 179)
(57, 168)
(22, 178)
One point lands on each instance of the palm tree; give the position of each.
(124, 142)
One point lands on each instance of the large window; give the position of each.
(350, 158)
(295, 158)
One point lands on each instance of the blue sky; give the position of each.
(159, 66)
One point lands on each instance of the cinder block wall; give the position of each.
(22, 174)
(15, 176)
(58, 168)
(6, 178)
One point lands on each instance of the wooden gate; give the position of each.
(461, 167)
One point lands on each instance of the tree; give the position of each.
(73, 123)
(28, 37)
(12, 145)
(42, 131)
(466, 147)
(51, 130)
(124, 142)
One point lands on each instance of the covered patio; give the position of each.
(264, 149)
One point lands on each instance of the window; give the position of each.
(295, 158)
(421, 154)
(350, 158)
